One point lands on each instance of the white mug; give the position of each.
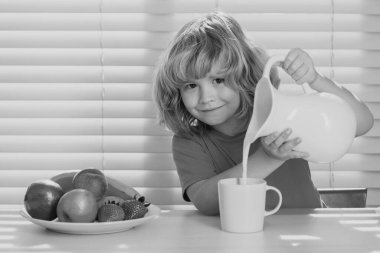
(242, 206)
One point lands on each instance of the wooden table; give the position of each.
(319, 230)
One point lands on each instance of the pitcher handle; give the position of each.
(274, 210)
(276, 60)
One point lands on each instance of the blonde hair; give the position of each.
(201, 43)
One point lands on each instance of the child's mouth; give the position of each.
(211, 109)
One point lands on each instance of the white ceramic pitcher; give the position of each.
(325, 122)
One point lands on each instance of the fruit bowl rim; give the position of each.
(93, 227)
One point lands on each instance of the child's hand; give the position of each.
(299, 65)
(278, 146)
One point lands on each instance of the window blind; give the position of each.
(75, 84)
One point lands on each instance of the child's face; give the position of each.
(213, 102)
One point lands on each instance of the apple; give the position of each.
(41, 199)
(78, 205)
(91, 179)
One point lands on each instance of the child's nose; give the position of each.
(207, 94)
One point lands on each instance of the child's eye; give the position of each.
(190, 86)
(219, 80)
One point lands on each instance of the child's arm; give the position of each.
(275, 149)
(299, 65)
(204, 194)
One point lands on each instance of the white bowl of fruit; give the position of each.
(86, 202)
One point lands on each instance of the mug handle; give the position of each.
(274, 210)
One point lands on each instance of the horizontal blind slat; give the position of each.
(358, 162)
(365, 145)
(357, 6)
(367, 93)
(75, 91)
(144, 74)
(342, 57)
(135, 91)
(93, 6)
(91, 21)
(135, 178)
(49, 6)
(85, 144)
(357, 75)
(366, 179)
(71, 161)
(160, 40)
(89, 109)
(344, 75)
(83, 39)
(178, 6)
(308, 22)
(80, 126)
(356, 58)
(116, 143)
(76, 74)
(160, 7)
(312, 40)
(310, 6)
(149, 22)
(77, 109)
(79, 57)
(149, 57)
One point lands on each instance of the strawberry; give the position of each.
(134, 209)
(110, 212)
(110, 200)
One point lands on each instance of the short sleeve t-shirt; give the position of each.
(203, 157)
